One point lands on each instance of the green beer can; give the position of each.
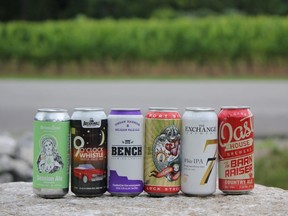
(51, 153)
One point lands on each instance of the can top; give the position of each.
(51, 114)
(200, 109)
(125, 111)
(52, 110)
(88, 109)
(163, 108)
(235, 107)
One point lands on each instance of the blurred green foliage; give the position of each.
(67, 9)
(210, 39)
(271, 168)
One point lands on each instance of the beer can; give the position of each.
(236, 149)
(199, 151)
(162, 151)
(51, 153)
(88, 152)
(125, 151)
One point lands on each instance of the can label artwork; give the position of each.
(89, 153)
(126, 154)
(162, 154)
(51, 155)
(236, 151)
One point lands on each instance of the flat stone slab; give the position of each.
(17, 198)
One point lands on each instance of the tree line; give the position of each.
(211, 39)
(35, 10)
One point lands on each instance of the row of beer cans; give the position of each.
(126, 153)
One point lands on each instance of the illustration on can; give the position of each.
(88, 152)
(49, 159)
(166, 154)
(51, 153)
(162, 152)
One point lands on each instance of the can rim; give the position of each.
(87, 109)
(52, 110)
(163, 108)
(235, 107)
(199, 109)
(125, 109)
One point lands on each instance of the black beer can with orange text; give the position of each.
(88, 152)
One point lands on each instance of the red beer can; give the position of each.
(236, 149)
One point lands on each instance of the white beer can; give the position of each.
(199, 151)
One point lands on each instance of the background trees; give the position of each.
(36, 10)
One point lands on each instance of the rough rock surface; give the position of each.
(16, 157)
(17, 198)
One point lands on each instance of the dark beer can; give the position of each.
(88, 152)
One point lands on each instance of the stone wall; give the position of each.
(17, 198)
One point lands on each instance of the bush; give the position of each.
(271, 168)
(210, 39)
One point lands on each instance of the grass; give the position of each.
(271, 164)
